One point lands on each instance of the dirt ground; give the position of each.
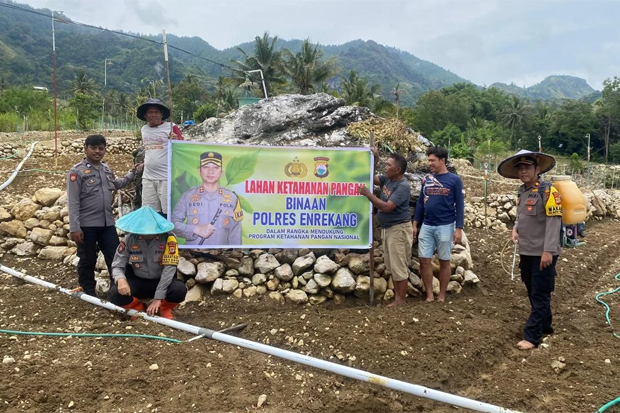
(465, 346)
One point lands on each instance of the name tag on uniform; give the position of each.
(194, 204)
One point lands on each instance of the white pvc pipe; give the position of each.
(8, 181)
(285, 354)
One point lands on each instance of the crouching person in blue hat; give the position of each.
(145, 264)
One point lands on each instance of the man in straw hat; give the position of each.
(155, 136)
(537, 230)
(145, 264)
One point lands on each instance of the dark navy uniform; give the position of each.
(89, 193)
(539, 219)
(221, 209)
(150, 268)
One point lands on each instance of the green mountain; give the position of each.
(26, 56)
(553, 87)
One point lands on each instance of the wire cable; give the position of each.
(120, 33)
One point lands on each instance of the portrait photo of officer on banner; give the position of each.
(207, 213)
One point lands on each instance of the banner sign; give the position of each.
(241, 196)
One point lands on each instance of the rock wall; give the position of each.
(502, 210)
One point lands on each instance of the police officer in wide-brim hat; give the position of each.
(145, 264)
(508, 168)
(152, 102)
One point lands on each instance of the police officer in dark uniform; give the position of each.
(537, 230)
(90, 184)
(145, 264)
(209, 214)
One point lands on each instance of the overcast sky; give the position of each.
(485, 41)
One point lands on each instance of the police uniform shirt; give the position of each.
(89, 193)
(199, 207)
(538, 221)
(146, 259)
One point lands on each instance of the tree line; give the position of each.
(471, 121)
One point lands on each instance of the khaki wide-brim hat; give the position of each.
(152, 102)
(508, 167)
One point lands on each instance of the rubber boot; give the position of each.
(135, 304)
(165, 310)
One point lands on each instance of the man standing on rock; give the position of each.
(441, 211)
(537, 230)
(209, 214)
(155, 136)
(395, 221)
(90, 184)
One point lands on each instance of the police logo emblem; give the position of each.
(321, 167)
(194, 211)
(225, 221)
(195, 221)
(72, 177)
(136, 265)
(295, 169)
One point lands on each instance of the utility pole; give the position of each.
(106, 62)
(261, 78)
(588, 181)
(54, 82)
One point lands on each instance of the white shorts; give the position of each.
(155, 194)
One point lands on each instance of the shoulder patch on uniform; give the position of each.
(73, 177)
(238, 212)
(171, 252)
(121, 247)
(553, 207)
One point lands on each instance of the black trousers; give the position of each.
(539, 286)
(141, 288)
(107, 241)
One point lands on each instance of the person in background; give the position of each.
(441, 211)
(155, 136)
(90, 184)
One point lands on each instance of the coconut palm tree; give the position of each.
(356, 91)
(514, 115)
(83, 84)
(306, 69)
(265, 58)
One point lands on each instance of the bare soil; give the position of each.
(465, 346)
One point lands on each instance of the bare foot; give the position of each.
(430, 299)
(396, 303)
(525, 345)
(441, 299)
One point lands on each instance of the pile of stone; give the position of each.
(39, 226)
(501, 210)
(69, 147)
(36, 226)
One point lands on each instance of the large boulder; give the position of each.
(343, 281)
(47, 196)
(15, 228)
(266, 263)
(25, 209)
(209, 271)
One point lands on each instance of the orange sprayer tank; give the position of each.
(573, 201)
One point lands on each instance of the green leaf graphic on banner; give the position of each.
(241, 168)
(245, 205)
